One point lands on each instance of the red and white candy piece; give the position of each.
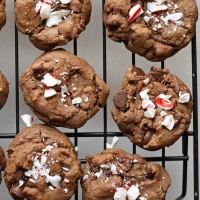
(147, 104)
(146, 81)
(168, 122)
(155, 7)
(49, 80)
(27, 119)
(183, 98)
(135, 12)
(144, 95)
(133, 192)
(49, 92)
(120, 194)
(163, 102)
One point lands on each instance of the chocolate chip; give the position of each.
(17, 192)
(147, 137)
(138, 71)
(149, 172)
(120, 100)
(39, 72)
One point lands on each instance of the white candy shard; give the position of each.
(114, 142)
(54, 180)
(174, 16)
(85, 177)
(164, 96)
(51, 187)
(56, 17)
(49, 92)
(27, 119)
(65, 1)
(65, 190)
(113, 169)
(65, 169)
(142, 198)
(104, 166)
(49, 80)
(160, 1)
(120, 194)
(38, 7)
(64, 90)
(183, 98)
(45, 10)
(147, 104)
(168, 122)
(144, 95)
(150, 113)
(66, 180)
(133, 192)
(21, 182)
(155, 7)
(76, 100)
(98, 174)
(163, 113)
(135, 12)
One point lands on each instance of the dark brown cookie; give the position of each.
(2, 13)
(116, 174)
(62, 89)
(2, 162)
(157, 108)
(42, 165)
(4, 89)
(50, 23)
(155, 29)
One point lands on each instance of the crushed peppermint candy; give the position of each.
(65, 190)
(49, 80)
(144, 95)
(150, 113)
(41, 168)
(163, 102)
(120, 194)
(183, 98)
(51, 188)
(147, 104)
(146, 81)
(49, 92)
(168, 122)
(114, 142)
(155, 7)
(133, 192)
(163, 113)
(27, 119)
(21, 182)
(135, 12)
(53, 17)
(77, 100)
(65, 169)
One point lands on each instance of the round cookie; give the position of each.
(62, 89)
(116, 174)
(50, 23)
(153, 29)
(42, 165)
(152, 110)
(4, 89)
(2, 162)
(2, 13)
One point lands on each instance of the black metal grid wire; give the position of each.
(76, 135)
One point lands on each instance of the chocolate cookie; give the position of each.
(4, 89)
(50, 23)
(152, 110)
(42, 165)
(155, 29)
(62, 89)
(2, 162)
(2, 13)
(116, 174)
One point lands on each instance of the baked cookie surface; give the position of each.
(116, 174)
(152, 110)
(2, 162)
(153, 29)
(4, 89)
(42, 165)
(62, 89)
(2, 13)
(50, 23)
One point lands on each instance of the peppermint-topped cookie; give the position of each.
(155, 29)
(2, 13)
(152, 110)
(62, 89)
(42, 164)
(2, 162)
(117, 175)
(50, 23)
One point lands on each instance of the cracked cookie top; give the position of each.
(51, 23)
(155, 29)
(153, 110)
(62, 89)
(116, 174)
(42, 164)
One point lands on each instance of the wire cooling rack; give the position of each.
(76, 135)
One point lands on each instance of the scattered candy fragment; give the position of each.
(163, 102)
(27, 119)
(114, 142)
(135, 12)
(76, 100)
(150, 113)
(49, 80)
(155, 7)
(120, 194)
(133, 192)
(184, 98)
(168, 122)
(49, 92)
(146, 81)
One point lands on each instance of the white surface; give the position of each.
(118, 59)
